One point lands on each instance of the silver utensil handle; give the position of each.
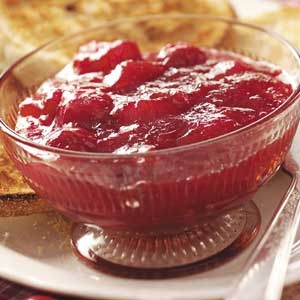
(264, 273)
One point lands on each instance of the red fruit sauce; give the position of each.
(114, 99)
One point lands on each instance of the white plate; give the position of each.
(35, 251)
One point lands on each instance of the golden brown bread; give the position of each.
(11, 181)
(28, 24)
(16, 197)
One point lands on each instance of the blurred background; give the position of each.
(26, 24)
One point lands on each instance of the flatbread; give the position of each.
(29, 23)
(16, 197)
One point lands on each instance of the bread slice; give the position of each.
(25, 25)
(28, 24)
(16, 197)
(2, 59)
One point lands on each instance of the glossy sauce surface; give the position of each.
(114, 99)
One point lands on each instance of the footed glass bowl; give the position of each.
(165, 208)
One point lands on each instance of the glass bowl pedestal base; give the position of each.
(137, 252)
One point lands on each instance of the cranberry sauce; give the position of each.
(114, 99)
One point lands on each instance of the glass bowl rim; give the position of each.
(166, 151)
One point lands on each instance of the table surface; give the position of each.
(291, 292)
(13, 291)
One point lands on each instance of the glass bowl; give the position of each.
(165, 208)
